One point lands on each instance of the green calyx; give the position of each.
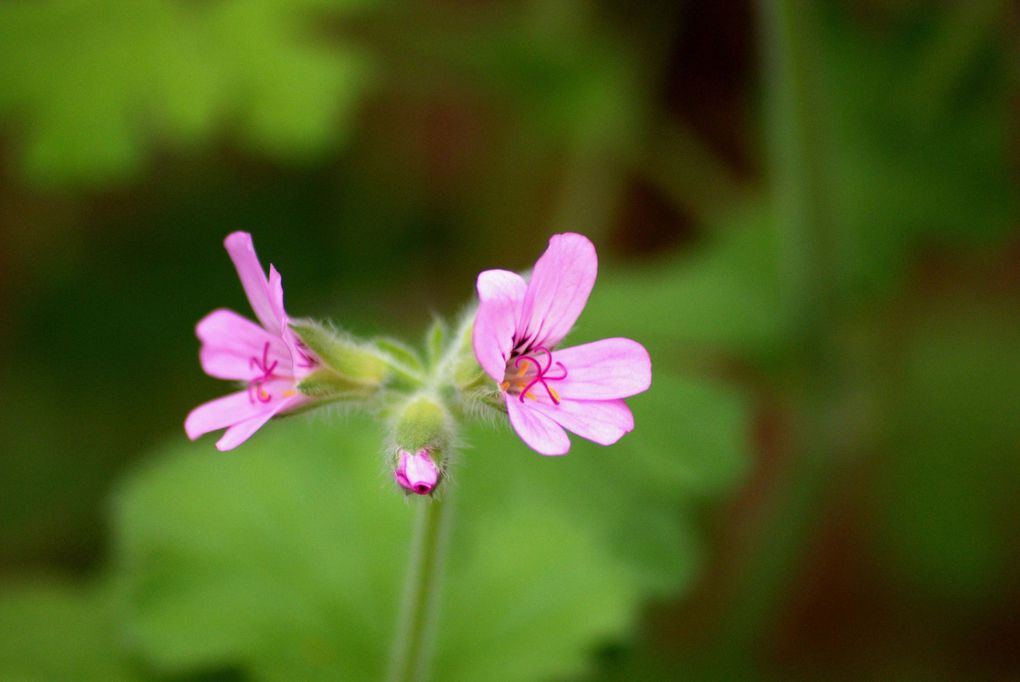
(423, 392)
(422, 422)
(327, 384)
(349, 364)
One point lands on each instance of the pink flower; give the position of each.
(270, 359)
(546, 389)
(416, 473)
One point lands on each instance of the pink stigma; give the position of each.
(542, 373)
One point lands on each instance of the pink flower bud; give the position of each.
(416, 473)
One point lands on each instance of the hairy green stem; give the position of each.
(411, 654)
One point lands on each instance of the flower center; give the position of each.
(524, 372)
(256, 387)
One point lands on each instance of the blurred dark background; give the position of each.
(811, 205)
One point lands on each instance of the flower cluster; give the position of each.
(515, 336)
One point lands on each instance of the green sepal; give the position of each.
(326, 384)
(354, 362)
(402, 358)
(467, 373)
(422, 423)
(435, 337)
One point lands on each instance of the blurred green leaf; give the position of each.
(287, 558)
(569, 80)
(950, 482)
(55, 631)
(693, 437)
(95, 85)
(930, 163)
(584, 90)
(725, 297)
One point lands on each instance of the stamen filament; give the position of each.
(256, 386)
(541, 374)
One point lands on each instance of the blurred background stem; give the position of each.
(411, 654)
(806, 227)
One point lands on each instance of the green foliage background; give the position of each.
(806, 211)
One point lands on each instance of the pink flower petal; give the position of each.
(235, 408)
(222, 412)
(303, 360)
(229, 342)
(253, 279)
(239, 433)
(416, 473)
(601, 421)
(540, 433)
(603, 370)
(276, 296)
(500, 293)
(558, 290)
